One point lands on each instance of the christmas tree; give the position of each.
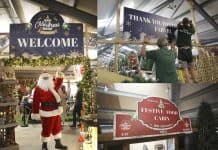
(206, 124)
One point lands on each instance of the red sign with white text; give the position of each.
(156, 117)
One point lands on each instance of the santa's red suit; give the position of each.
(46, 105)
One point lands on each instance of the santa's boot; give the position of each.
(44, 146)
(59, 145)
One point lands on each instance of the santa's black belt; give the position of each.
(49, 104)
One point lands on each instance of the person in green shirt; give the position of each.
(184, 34)
(164, 60)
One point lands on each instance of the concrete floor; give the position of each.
(28, 138)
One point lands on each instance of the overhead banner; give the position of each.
(155, 117)
(138, 23)
(46, 35)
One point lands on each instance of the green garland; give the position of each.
(87, 84)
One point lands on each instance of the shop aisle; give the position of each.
(28, 138)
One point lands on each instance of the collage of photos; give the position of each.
(108, 75)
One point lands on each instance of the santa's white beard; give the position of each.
(46, 84)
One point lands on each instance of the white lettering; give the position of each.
(139, 18)
(48, 42)
(22, 42)
(33, 42)
(74, 42)
(56, 42)
(161, 118)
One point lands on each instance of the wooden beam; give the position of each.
(197, 41)
(141, 43)
(116, 61)
(86, 40)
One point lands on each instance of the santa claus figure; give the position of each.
(46, 105)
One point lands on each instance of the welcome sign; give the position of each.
(138, 22)
(155, 117)
(46, 35)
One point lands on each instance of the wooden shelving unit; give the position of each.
(7, 116)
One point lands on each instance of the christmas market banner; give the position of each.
(155, 117)
(46, 35)
(138, 23)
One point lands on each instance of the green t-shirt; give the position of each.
(165, 65)
(184, 35)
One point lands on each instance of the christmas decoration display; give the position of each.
(88, 82)
(91, 139)
(206, 63)
(8, 102)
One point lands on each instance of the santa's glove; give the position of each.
(60, 109)
(35, 116)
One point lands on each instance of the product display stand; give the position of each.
(7, 113)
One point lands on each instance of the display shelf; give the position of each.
(8, 125)
(8, 104)
(8, 82)
(10, 147)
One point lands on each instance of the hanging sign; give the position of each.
(155, 117)
(138, 23)
(46, 35)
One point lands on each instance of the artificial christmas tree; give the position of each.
(206, 124)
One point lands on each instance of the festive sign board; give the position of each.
(155, 117)
(138, 23)
(46, 35)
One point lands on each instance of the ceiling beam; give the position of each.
(103, 50)
(112, 14)
(7, 6)
(203, 91)
(208, 33)
(205, 15)
(204, 4)
(203, 21)
(19, 10)
(214, 107)
(177, 8)
(161, 6)
(64, 9)
(208, 41)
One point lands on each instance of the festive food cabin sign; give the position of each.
(137, 23)
(46, 35)
(155, 117)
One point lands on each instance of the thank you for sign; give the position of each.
(155, 117)
(138, 23)
(46, 35)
